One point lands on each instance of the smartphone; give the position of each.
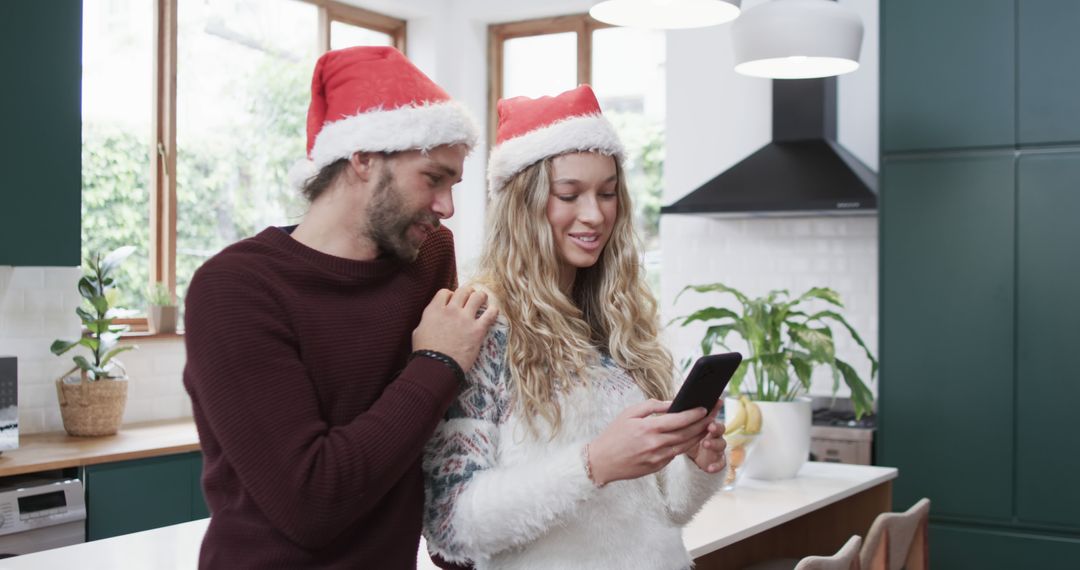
(707, 380)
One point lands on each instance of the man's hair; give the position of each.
(553, 337)
(316, 185)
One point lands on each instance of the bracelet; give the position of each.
(435, 355)
(588, 467)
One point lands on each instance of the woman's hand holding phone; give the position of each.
(709, 453)
(643, 439)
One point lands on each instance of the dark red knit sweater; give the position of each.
(310, 435)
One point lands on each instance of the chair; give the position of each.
(847, 558)
(898, 540)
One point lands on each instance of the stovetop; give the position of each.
(843, 418)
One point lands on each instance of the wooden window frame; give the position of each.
(163, 129)
(581, 24)
(331, 11)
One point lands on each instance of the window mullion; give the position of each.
(163, 167)
(584, 52)
(324, 30)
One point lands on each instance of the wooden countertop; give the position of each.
(45, 451)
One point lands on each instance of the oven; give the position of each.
(40, 513)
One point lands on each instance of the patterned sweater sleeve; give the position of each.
(687, 488)
(475, 506)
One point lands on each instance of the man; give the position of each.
(321, 357)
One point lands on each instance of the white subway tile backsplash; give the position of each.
(757, 255)
(28, 278)
(37, 306)
(31, 420)
(62, 279)
(37, 395)
(171, 407)
(11, 301)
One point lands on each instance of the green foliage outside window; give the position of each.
(231, 183)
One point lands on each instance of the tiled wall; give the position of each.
(756, 255)
(37, 306)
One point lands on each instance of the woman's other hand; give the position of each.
(709, 453)
(644, 438)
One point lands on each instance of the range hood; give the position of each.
(803, 171)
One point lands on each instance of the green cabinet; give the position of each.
(948, 74)
(1048, 310)
(1049, 87)
(143, 494)
(955, 546)
(947, 332)
(980, 275)
(41, 58)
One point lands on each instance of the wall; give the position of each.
(37, 306)
(715, 118)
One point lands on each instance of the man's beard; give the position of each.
(389, 220)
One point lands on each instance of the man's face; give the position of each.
(411, 196)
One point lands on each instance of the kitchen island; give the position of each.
(811, 514)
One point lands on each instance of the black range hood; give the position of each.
(803, 171)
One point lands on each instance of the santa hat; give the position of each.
(373, 99)
(531, 130)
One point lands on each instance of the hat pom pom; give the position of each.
(300, 172)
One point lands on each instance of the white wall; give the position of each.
(716, 118)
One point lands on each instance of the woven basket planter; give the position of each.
(92, 408)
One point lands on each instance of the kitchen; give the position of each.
(933, 278)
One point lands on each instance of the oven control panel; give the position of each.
(33, 504)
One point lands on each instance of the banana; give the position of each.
(738, 421)
(753, 415)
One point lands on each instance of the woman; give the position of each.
(557, 453)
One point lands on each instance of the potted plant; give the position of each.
(93, 394)
(786, 343)
(161, 316)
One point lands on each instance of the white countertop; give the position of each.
(727, 518)
(755, 506)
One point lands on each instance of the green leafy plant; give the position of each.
(101, 336)
(159, 295)
(785, 342)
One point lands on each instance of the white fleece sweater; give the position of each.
(506, 500)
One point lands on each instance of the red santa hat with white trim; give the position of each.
(531, 130)
(373, 99)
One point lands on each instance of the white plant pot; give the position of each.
(784, 443)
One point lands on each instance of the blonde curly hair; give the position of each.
(553, 337)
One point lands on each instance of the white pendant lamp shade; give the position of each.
(665, 14)
(797, 39)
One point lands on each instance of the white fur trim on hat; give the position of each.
(300, 172)
(421, 127)
(584, 133)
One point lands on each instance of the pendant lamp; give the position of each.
(797, 39)
(665, 14)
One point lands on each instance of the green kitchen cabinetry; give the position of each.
(143, 494)
(40, 197)
(1049, 86)
(947, 331)
(980, 275)
(1048, 311)
(947, 74)
(955, 546)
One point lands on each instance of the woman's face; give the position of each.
(581, 208)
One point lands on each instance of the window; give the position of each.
(193, 112)
(625, 67)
